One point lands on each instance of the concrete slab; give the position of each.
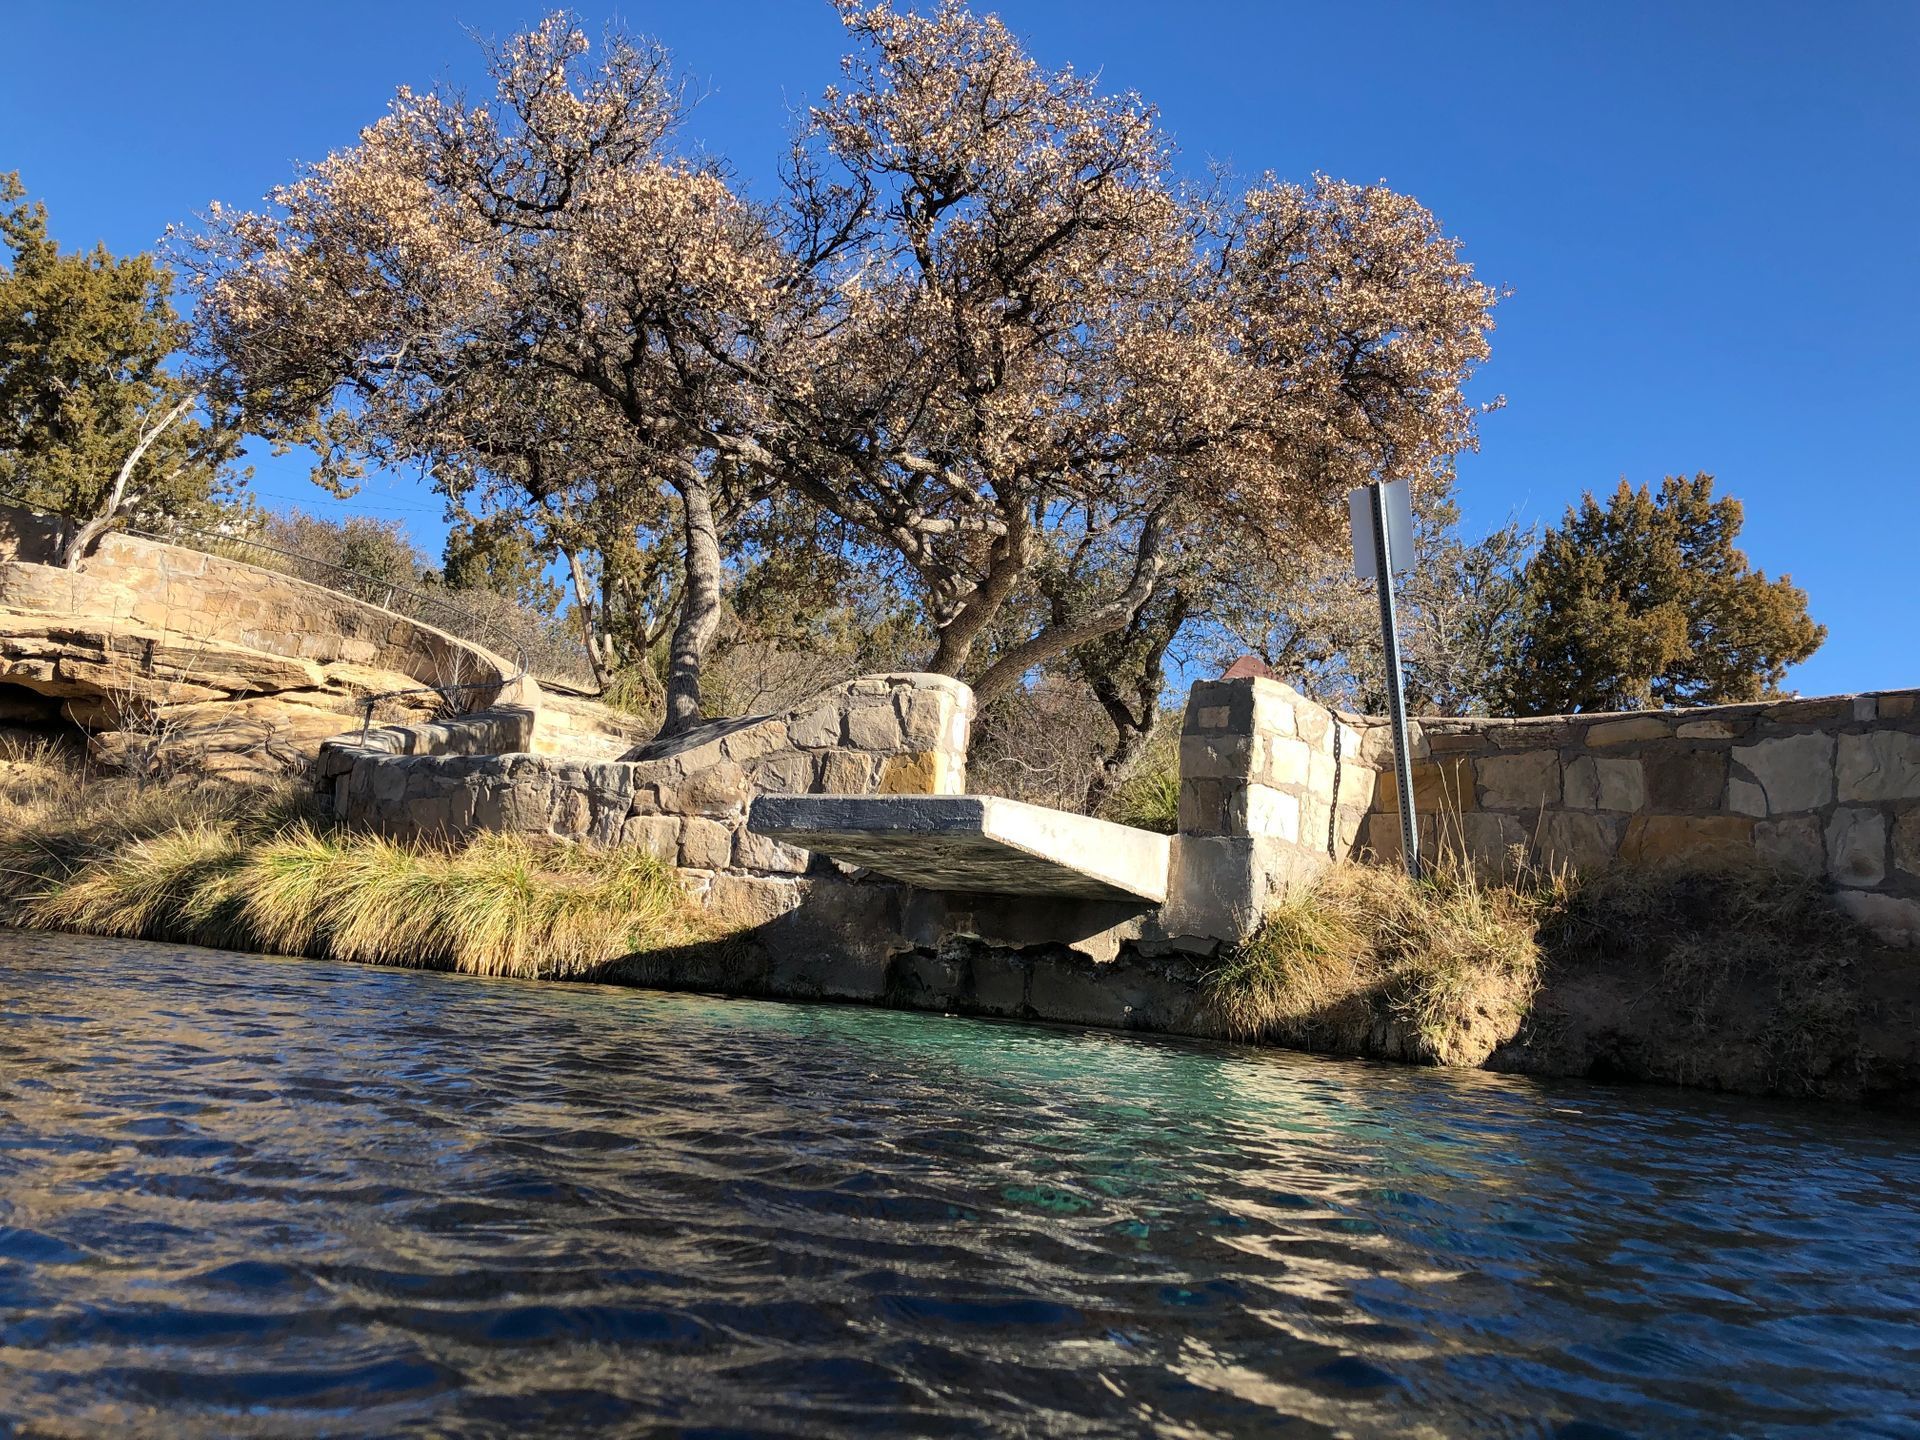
(972, 843)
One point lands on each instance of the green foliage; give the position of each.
(1645, 601)
(1148, 799)
(84, 339)
(502, 556)
(1317, 626)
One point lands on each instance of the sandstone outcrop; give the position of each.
(170, 659)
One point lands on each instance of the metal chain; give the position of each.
(1333, 805)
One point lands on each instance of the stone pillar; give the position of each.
(1257, 804)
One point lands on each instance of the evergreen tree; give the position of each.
(1645, 601)
(91, 423)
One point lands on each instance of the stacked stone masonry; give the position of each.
(684, 801)
(210, 664)
(1830, 787)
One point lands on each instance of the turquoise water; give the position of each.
(248, 1196)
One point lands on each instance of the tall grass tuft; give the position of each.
(253, 868)
(1368, 961)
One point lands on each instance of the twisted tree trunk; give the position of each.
(699, 606)
(82, 540)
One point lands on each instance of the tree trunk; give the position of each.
(589, 631)
(82, 539)
(699, 607)
(1130, 695)
(1058, 638)
(976, 612)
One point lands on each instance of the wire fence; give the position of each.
(504, 631)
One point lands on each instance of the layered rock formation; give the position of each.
(170, 659)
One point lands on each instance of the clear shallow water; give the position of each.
(256, 1196)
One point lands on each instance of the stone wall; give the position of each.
(1826, 786)
(1830, 787)
(1273, 788)
(684, 801)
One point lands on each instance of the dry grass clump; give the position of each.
(250, 867)
(1149, 799)
(1439, 970)
(1735, 974)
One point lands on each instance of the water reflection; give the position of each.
(244, 1195)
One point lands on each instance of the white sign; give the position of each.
(1397, 497)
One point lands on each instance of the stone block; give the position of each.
(1687, 838)
(1487, 840)
(845, 772)
(1220, 705)
(1549, 733)
(819, 728)
(572, 813)
(874, 728)
(923, 718)
(1597, 782)
(1383, 839)
(1586, 842)
(1273, 708)
(1279, 759)
(1879, 765)
(1865, 709)
(1792, 773)
(755, 741)
(1203, 806)
(1219, 887)
(1712, 729)
(389, 782)
(1216, 757)
(1679, 781)
(429, 816)
(716, 790)
(747, 901)
(1527, 781)
(1857, 847)
(705, 844)
(655, 835)
(1375, 750)
(794, 773)
(1627, 731)
(1906, 841)
(1893, 919)
(1268, 812)
(762, 852)
(1900, 706)
(1439, 785)
(1821, 711)
(959, 732)
(1795, 843)
(916, 774)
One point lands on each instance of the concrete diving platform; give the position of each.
(973, 843)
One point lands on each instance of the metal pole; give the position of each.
(1396, 697)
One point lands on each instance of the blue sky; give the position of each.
(1707, 212)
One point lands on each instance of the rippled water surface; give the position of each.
(259, 1196)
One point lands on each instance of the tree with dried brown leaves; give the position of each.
(985, 332)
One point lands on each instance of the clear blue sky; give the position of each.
(1709, 213)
